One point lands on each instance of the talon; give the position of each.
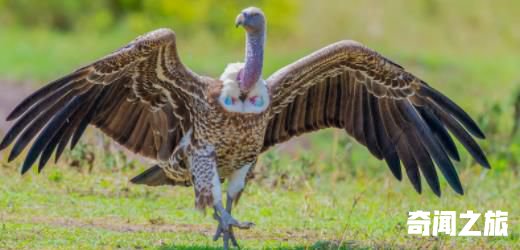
(233, 239)
(218, 233)
(229, 235)
(244, 225)
(225, 228)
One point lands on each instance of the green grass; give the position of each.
(65, 208)
(317, 194)
(314, 198)
(301, 198)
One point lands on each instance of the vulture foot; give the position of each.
(225, 227)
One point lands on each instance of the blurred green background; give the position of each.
(333, 192)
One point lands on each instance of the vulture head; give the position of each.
(252, 19)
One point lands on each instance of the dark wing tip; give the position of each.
(41, 93)
(480, 134)
(437, 192)
(453, 109)
(49, 132)
(459, 190)
(483, 161)
(25, 167)
(5, 142)
(437, 153)
(392, 160)
(14, 153)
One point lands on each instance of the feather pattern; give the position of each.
(145, 99)
(201, 131)
(397, 116)
(137, 95)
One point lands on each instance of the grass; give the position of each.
(67, 208)
(321, 197)
(325, 192)
(301, 198)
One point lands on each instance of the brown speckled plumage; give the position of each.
(344, 85)
(146, 100)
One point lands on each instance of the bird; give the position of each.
(202, 131)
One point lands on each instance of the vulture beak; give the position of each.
(239, 20)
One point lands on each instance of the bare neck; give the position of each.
(253, 61)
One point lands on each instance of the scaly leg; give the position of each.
(226, 221)
(206, 182)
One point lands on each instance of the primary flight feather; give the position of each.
(203, 131)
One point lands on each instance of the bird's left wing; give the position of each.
(397, 116)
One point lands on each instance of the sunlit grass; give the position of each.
(318, 193)
(65, 209)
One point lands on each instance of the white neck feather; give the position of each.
(257, 99)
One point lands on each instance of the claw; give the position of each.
(227, 235)
(225, 228)
(244, 225)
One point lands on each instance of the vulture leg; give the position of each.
(236, 185)
(206, 183)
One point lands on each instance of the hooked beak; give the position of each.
(239, 20)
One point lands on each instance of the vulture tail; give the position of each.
(153, 176)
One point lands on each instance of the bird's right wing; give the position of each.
(137, 95)
(396, 115)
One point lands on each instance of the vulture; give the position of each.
(202, 131)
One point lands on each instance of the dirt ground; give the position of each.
(119, 226)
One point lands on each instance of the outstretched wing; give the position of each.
(397, 116)
(137, 95)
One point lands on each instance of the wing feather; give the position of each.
(440, 133)
(139, 95)
(397, 116)
(371, 129)
(392, 132)
(404, 151)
